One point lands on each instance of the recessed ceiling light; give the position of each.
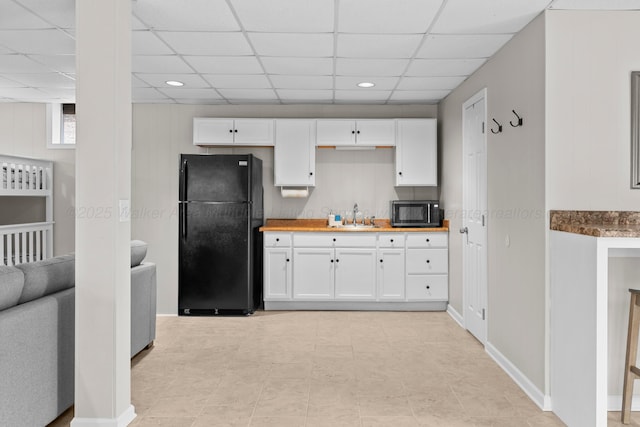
(174, 83)
(366, 84)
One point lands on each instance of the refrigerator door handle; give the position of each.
(184, 179)
(184, 220)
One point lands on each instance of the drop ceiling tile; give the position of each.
(298, 66)
(43, 80)
(60, 63)
(286, 16)
(462, 46)
(351, 83)
(159, 80)
(362, 95)
(377, 46)
(136, 24)
(23, 93)
(137, 83)
(4, 82)
(443, 67)
(205, 101)
(15, 17)
(224, 64)
(183, 92)
(301, 82)
(430, 83)
(201, 43)
(19, 64)
(193, 15)
(287, 44)
(243, 81)
(384, 16)
(154, 63)
(487, 17)
(63, 95)
(61, 13)
(248, 94)
(144, 94)
(50, 42)
(364, 67)
(147, 43)
(596, 4)
(419, 95)
(305, 95)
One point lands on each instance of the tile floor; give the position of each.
(308, 368)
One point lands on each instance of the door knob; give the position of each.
(464, 230)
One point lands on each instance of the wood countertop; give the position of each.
(597, 223)
(315, 225)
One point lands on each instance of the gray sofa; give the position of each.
(37, 334)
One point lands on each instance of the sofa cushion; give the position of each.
(47, 276)
(11, 284)
(138, 252)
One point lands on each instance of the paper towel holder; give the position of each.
(294, 192)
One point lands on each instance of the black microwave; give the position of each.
(415, 213)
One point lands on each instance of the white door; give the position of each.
(474, 222)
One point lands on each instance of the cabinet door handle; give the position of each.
(334, 239)
(358, 132)
(230, 130)
(428, 261)
(331, 260)
(310, 173)
(391, 240)
(287, 259)
(428, 240)
(400, 173)
(353, 132)
(337, 260)
(236, 130)
(277, 239)
(428, 287)
(380, 260)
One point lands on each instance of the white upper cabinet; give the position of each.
(294, 155)
(416, 152)
(209, 131)
(342, 132)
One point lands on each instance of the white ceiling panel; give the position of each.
(375, 67)
(286, 16)
(225, 64)
(14, 17)
(146, 94)
(301, 82)
(430, 83)
(351, 83)
(362, 95)
(60, 63)
(50, 42)
(63, 95)
(238, 81)
(305, 95)
(596, 4)
(200, 43)
(23, 93)
(4, 82)
(386, 16)
(203, 101)
(60, 13)
(377, 46)
(154, 63)
(184, 92)
(192, 15)
(487, 16)
(427, 96)
(43, 80)
(147, 43)
(296, 45)
(443, 67)
(159, 80)
(298, 66)
(20, 64)
(256, 94)
(136, 82)
(462, 46)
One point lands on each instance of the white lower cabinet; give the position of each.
(357, 270)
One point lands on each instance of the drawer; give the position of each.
(427, 261)
(277, 240)
(427, 240)
(337, 240)
(391, 240)
(427, 287)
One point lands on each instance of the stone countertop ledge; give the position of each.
(597, 223)
(382, 225)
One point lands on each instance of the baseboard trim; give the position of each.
(614, 403)
(166, 315)
(122, 421)
(455, 315)
(539, 398)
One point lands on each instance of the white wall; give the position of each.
(23, 133)
(514, 79)
(161, 132)
(590, 56)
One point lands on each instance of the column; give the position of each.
(103, 189)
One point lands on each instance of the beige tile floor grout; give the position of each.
(317, 369)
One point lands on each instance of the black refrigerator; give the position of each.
(220, 249)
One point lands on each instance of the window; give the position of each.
(61, 125)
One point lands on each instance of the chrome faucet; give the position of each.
(355, 213)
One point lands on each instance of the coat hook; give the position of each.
(499, 127)
(519, 120)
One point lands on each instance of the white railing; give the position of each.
(20, 176)
(23, 243)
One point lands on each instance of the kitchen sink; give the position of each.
(351, 227)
